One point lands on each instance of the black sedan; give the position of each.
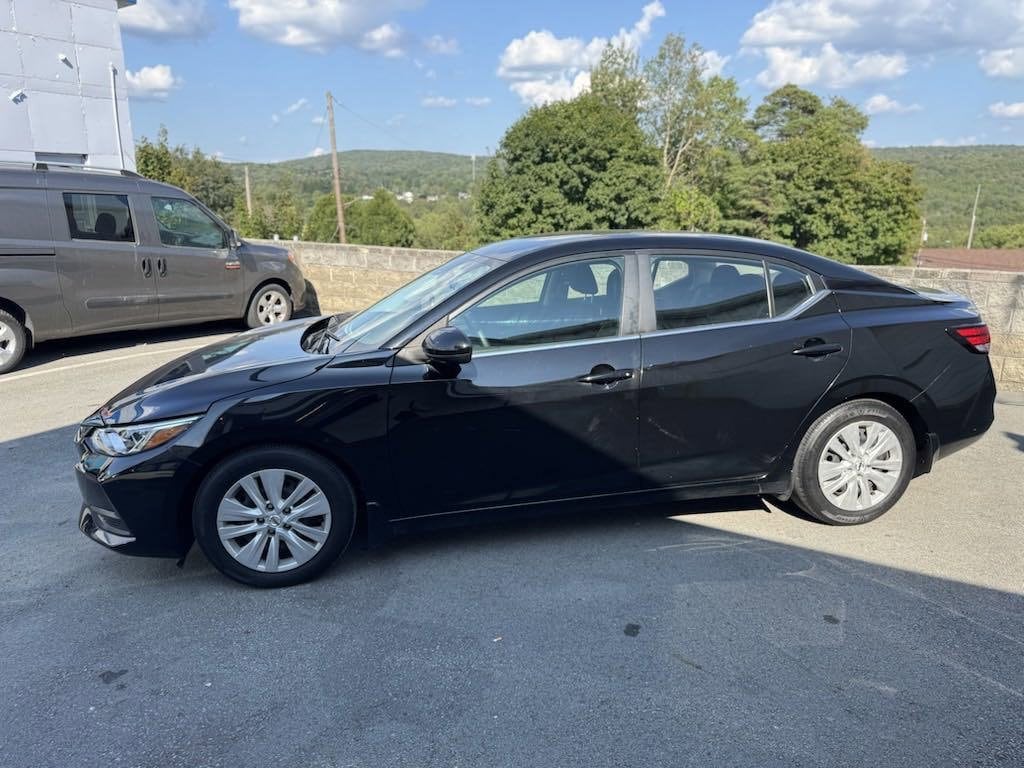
(533, 375)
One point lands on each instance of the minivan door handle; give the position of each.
(161, 267)
(605, 374)
(147, 267)
(817, 348)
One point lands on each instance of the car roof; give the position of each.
(97, 180)
(538, 247)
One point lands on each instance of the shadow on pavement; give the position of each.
(623, 637)
(1018, 439)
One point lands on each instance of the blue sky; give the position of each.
(246, 78)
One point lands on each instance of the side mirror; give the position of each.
(448, 346)
(234, 239)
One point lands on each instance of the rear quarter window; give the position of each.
(99, 217)
(23, 215)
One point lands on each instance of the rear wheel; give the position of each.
(13, 341)
(270, 305)
(273, 517)
(854, 463)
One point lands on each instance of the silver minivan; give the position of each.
(89, 251)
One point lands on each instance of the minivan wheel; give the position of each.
(854, 463)
(270, 305)
(274, 516)
(13, 341)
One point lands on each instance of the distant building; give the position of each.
(406, 197)
(63, 95)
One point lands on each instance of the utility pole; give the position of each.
(248, 193)
(974, 216)
(337, 174)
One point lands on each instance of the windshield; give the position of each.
(375, 326)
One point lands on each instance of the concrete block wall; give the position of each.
(350, 277)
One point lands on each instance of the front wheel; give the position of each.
(13, 341)
(854, 463)
(275, 516)
(270, 305)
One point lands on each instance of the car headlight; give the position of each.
(133, 438)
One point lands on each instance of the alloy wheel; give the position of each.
(8, 343)
(273, 520)
(272, 308)
(860, 465)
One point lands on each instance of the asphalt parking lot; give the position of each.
(705, 634)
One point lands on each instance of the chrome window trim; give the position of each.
(491, 352)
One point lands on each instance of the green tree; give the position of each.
(689, 209)
(570, 165)
(201, 175)
(811, 183)
(379, 221)
(448, 227)
(322, 224)
(618, 81)
(697, 120)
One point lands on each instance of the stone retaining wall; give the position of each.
(349, 277)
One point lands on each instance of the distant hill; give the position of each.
(363, 171)
(950, 176)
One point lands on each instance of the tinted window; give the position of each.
(789, 288)
(182, 222)
(99, 217)
(570, 302)
(710, 290)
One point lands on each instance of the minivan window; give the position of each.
(712, 290)
(182, 222)
(99, 217)
(568, 302)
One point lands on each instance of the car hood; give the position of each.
(193, 382)
(260, 249)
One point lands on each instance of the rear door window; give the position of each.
(789, 288)
(692, 291)
(99, 217)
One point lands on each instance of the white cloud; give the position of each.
(275, 118)
(891, 29)
(828, 67)
(478, 101)
(395, 120)
(318, 120)
(438, 102)
(152, 83)
(1006, 62)
(1002, 109)
(441, 45)
(296, 106)
(165, 18)
(317, 151)
(963, 141)
(243, 139)
(880, 104)
(713, 63)
(914, 26)
(387, 40)
(320, 25)
(541, 67)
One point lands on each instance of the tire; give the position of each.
(277, 549)
(270, 305)
(13, 341)
(840, 486)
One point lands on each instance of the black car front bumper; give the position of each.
(135, 506)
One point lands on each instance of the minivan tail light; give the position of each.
(974, 337)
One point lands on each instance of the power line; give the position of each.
(372, 124)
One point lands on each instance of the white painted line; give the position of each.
(29, 374)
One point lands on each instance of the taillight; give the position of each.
(974, 337)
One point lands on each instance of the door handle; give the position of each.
(817, 348)
(161, 267)
(605, 376)
(147, 268)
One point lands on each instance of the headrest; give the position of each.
(580, 278)
(106, 225)
(724, 274)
